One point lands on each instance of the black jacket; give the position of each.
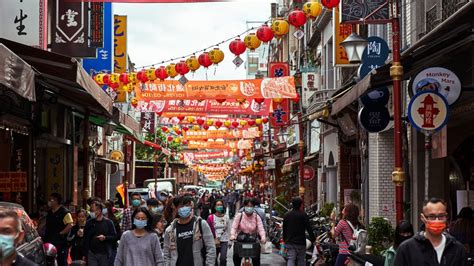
(295, 223)
(109, 238)
(419, 251)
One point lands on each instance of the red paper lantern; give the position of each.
(164, 129)
(330, 3)
(170, 138)
(206, 127)
(181, 117)
(184, 142)
(264, 33)
(237, 47)
(251, 123)
(161, 73)
(159, 113)
(259, 100)
(185, 129)
(218, 124)
(297, 18)
(141, 76)
(182, 68)
(296, 99)
(200, 121)
(220, 100)
(204, 60)
(235, 124)
(124, 78)
(265, 120)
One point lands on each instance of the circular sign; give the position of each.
(438, 79)
(364, 69)
(374, 118)
(308, 174)
(428, 111)
(379, 96)
(376, 52)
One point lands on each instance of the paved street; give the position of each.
(267, 259)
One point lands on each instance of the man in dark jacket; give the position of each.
(432, 246)
(295, 223)
(99, 234)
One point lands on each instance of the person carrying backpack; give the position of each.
(188, 239)
(347, 231)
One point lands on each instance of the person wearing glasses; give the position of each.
(432, 246)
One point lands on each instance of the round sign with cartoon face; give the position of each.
(438, 79)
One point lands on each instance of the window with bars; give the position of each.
(432, 18)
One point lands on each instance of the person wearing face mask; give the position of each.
(99, 234)
(432, 246)
(403, 231)
(220, 228)
(246, 225)
(76, 236)
(154, 206)
(11, 234)
(58, 224)
(109, 212)
(159, 224)
(135, 202)
(188, 240)
(140, 245)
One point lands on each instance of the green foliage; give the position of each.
(327, 209)
(381, 234)
(281, 199)
(146, 153)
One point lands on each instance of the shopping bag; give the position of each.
(266, 247)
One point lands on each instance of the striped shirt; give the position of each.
(344, 231)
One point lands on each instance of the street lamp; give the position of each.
(354, 46)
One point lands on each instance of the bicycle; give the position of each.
(247, 251)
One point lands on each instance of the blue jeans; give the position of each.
(223, 251)
(341, 259)
(296, 255)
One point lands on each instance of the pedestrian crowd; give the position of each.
(191, 229)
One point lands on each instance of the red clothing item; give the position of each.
(344, 231)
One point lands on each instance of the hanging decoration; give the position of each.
(330, 4)
(220, 100)
(124, 78)
(259, 100)
(150, 74)
(252, 42)
(264, 33)
(191, 119)
(296, 99)
(312, 9)
(171, 70)
(258, 121)
(297, 18)
(193, 63)
(280, 27)
(182, 68)
(134, 102)
(161, 73)
(141, 76)
(216, 56)
(237, 47)
(204, 60)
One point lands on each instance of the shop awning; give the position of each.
(289, 166)
(123, 125)
(64, 76)
(16, 74)
(448, 36)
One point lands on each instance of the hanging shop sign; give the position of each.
(374, 118)
(97, 24)
(374, 11)
(230, 106)
(70, 30)
(120, 44)
(309, 85)
(147, 122)
(278, 69)
(104, 58)
(222, 134)
(379, 96)
(439, 79)
(376, 52)
(341, 32)
(428, 111)
(280, 115)
(13, 182)
(308, 173)
(55, 171)
(24, 22)
(283, 87)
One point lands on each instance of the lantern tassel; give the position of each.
(215, 69)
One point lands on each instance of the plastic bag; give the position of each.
(266, 247)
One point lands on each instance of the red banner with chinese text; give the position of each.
(253, 132)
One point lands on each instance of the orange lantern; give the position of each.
(277, 100)
(216, 56)
(193, 63)
(134, 102)
(132, 77)
(252, 41)
(312, 9)
(150, 74)
(280, 27)
(171, 70)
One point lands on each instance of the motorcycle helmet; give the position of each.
(50, 250)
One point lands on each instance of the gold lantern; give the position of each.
(252, 42)
(130, 87)
(150, 74)
(312, 9)
(134, 102)
(280, 27)
(193, 63)
(216, 56)
(114, 78)
(171, 70)
(132, 77)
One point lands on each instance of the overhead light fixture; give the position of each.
(354, 46)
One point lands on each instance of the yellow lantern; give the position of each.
(114, 78)
(280, 27)
(134, 102)
(216, 56)
(243, 122)
(258, 121)
(150, 74)
(210, 122)
(99, 78)
(171, 70)
(277, 100)
(177, 140)
(191, 119)
(132, 77)
(252, 42)
(196, 127)
(193, 63)
(227, 123)
(130, 87)
(312, 9)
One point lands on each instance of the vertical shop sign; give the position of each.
(70, 29)
(97, 24)
(55, 171)
(341, 32)
(104, 60)
(280, 114)
(24, 22)
(147, 122)
(120, 44)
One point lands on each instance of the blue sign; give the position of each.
(104, 56)
(365, 69)
(379, 96)
(374, 118)
(376, 52)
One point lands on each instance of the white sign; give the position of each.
(438, 79)
(310, 83)
(428, 111)
(22, 22)
(314, 141)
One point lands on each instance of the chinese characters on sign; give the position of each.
(428, 111)
(120, 44)
(147, 122)
(341, 32)
(13, 182)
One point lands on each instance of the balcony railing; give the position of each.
(432, 18)
(450, 7)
